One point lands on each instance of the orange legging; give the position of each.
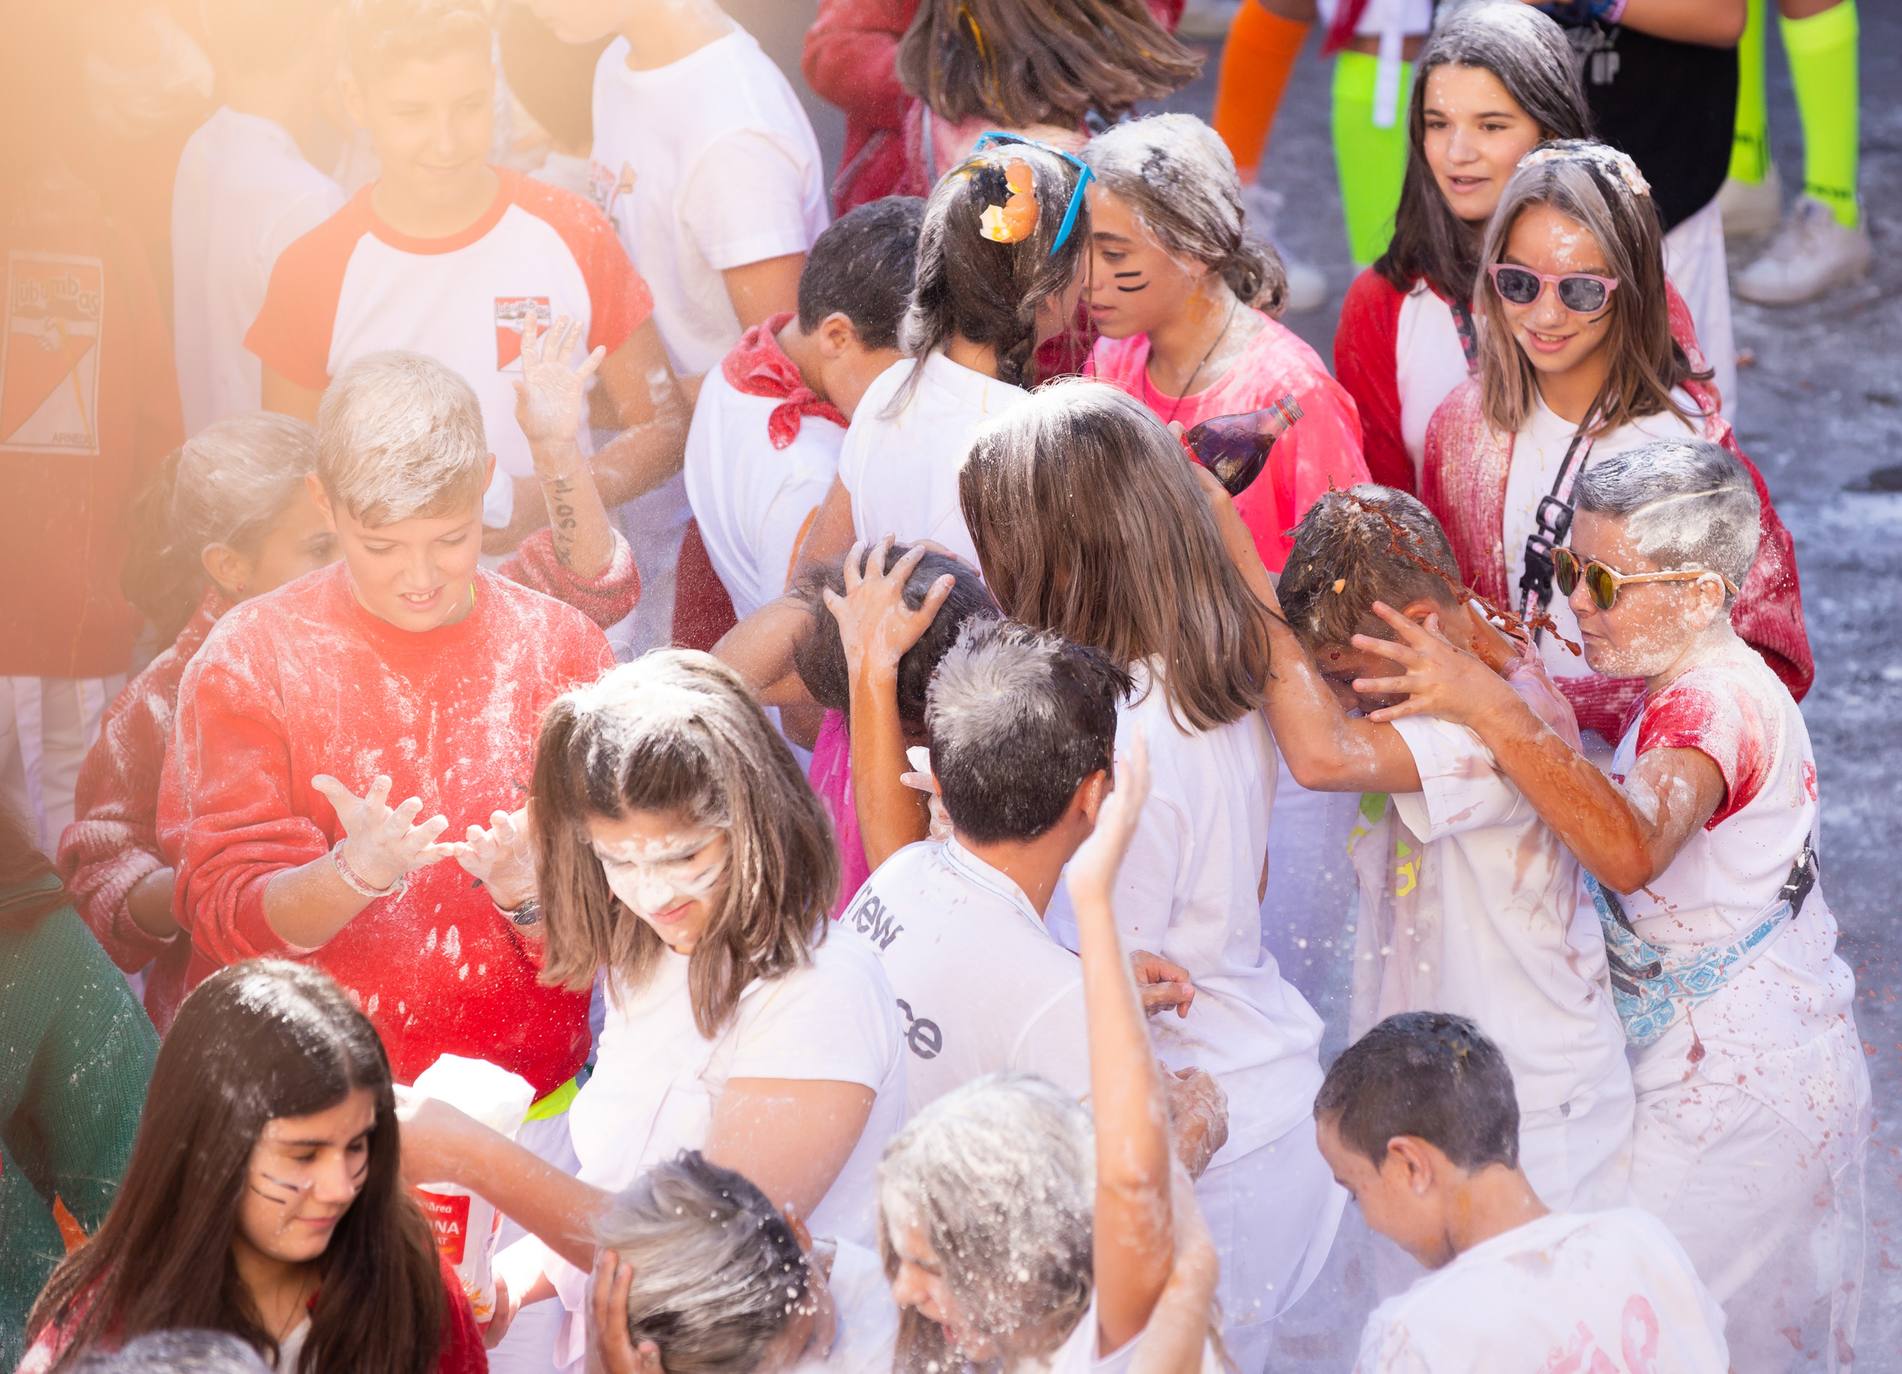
(1256, 60)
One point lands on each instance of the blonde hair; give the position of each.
(1600, 189)
(999, 1177)
(1088, 523)
(400, 435)
(676, 732)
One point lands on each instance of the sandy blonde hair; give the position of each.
(675, 732)
(400, 435)
(1601, 190)
(1088, 523)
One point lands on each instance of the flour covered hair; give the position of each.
(999, 1177)
(399, 435)
(1178, 177)
(1686, 504)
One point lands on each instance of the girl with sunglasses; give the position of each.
(1578, 363)
(679, 850)
(1752, 1091)
(1000, 262)
(1494, 82)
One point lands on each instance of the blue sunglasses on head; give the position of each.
(1075, 206)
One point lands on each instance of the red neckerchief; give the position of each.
(758, 366)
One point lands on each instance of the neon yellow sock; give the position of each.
(1822, 53)
(1750, 145)
(1370, 162)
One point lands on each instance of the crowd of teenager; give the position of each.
(861, 695)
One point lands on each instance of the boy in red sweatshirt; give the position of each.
(405, 671)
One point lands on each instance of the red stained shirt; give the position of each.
(1319, 450)
(305, 682)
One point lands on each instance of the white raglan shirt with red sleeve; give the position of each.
(355, 285)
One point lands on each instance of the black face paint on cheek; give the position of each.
(291, 1190)
(1131, 290)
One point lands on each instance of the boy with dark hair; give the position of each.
(1023, 732)
(767, 428)
(1469, 902)
(449, 256)
(1418, 1119)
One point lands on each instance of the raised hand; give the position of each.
(876, 627)
(382, 844)
(922, 779)
(501, 857)
(550, 396)
(1091, 872)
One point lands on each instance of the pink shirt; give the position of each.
(1321, 449)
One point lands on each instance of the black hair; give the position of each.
(1427, 1074)
(863, 267)
(553, 80)
(1019, 718)
(820, 657)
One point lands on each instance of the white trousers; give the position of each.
(46, 726)
(1272, 1215)
(1694, 260)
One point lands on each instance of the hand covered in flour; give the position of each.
(1198, 1117)
(501, 857)
(381, 843)
(551, 396)
(1161, 983)
(876, 627)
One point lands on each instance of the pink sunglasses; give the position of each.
(1580, 292)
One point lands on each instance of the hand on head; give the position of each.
(876, 627)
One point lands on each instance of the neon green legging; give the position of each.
(1370, 162)
(1822, 51)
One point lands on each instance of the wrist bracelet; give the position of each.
(355, 882)
(526, 914)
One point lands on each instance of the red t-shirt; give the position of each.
(88, 407)
(1319, 449)
(305, 681)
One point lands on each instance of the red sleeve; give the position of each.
(113, 841)
(1724, 726)
(1365, 363)
(462, 1348)
(1603, 704)
(1768, 614)
(619, 301)
(1320, 451)
(607, 600)
(292, 332)
(851, 58)
(225, 815)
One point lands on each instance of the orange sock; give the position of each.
(1256, 60)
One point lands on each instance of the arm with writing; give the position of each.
(1625, 837)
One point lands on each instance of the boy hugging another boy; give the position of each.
(1469, 902)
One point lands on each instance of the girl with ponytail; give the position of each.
(1186, 308)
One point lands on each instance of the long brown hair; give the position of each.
(254, 1042)
(676, 732)
(1088, 523)
(25, 896)
(1026, 62)
(1528, 53)
(1602, 190)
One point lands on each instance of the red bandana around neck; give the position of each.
(758, 366)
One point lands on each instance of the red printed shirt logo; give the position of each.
(449, 1218)
(49, 358)
(511, 316)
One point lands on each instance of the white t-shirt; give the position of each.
(1733, 709)
(1491, 927)
(1190, 890)
(753, 501)
(901, 469)
(242, 195)
(867, 1326)
(1428, 364)
(705, 164)
(1537, 452)
(656, 1079)
(357, 285)
(981, 985)
(1597, 1292)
